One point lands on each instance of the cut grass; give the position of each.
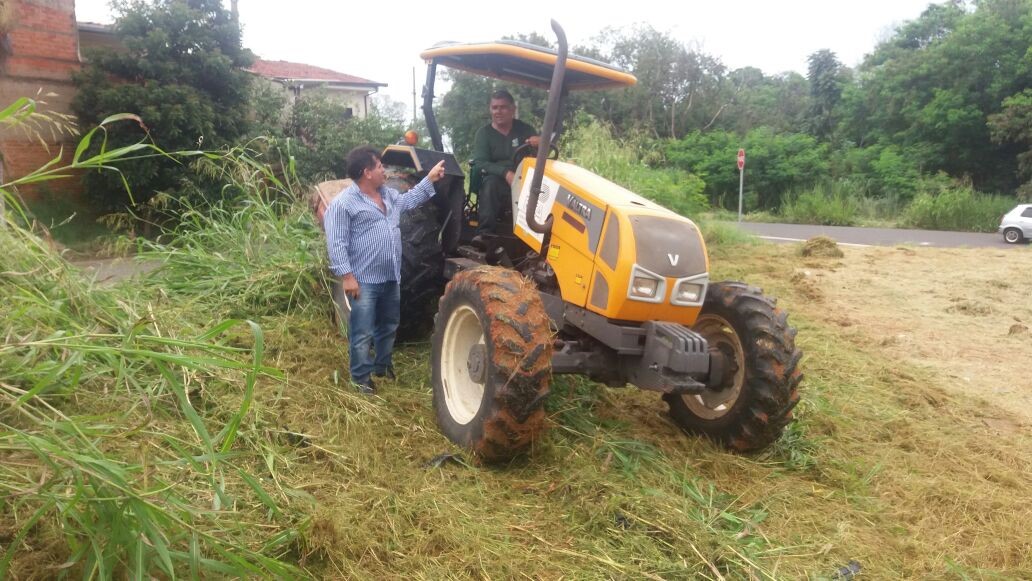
(882, 468)
(146, 432)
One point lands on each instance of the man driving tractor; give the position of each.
(493, 166)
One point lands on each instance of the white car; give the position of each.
(1016, 225)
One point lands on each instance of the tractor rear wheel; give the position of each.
(422, 266)
(761, 385)
(492, 353)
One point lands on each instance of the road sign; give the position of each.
(741, 180)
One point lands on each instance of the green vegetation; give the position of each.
(181, 71)
(197, 423)
(127, 434)
(591, 145)
(840, 139)
(828, 205)
(321, 136)
(956, 207)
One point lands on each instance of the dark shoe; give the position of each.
(389, 374)
(366, 387)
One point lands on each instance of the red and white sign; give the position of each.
(741, 159)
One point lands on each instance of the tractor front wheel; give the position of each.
(754, 403)
(492, 352)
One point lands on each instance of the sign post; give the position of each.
(741, 180)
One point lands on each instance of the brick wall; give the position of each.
(42, 38)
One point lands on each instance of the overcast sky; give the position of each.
(381, 41)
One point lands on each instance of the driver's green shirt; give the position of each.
(492, 151)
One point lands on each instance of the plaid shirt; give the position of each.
(362, 240)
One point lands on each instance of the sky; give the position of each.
(382, 41)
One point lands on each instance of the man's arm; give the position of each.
(482, 161)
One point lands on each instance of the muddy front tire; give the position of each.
(762, 383)
(492, 352)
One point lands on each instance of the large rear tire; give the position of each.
(422, 267)
(492, 353)
(761, 385)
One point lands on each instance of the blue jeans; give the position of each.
(374, 320)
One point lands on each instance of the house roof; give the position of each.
(97, 27)
(283, 70)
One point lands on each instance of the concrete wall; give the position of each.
(43, 53)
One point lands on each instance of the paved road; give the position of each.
(876, 236)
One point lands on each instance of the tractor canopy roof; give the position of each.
(527, 64)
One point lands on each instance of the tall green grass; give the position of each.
(947, 205)
(824, 204)
(126, 444)
(941, 204)
(254, 254)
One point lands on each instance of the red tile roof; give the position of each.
(288, 70)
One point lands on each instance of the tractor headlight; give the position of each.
(646, 286)
(690, 291)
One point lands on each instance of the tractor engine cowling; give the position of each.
(615, 253)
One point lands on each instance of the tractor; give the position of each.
(589, 278)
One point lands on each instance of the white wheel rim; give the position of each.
(1011, 236)
(711, 405)
(462, 393)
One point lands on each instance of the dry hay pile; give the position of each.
(821, 247)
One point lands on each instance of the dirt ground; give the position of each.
(964, 313)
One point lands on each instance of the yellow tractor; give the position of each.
(591, 279)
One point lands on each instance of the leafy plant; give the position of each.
(948, 205)
(181, 72)
(592, 145)
(123, 445)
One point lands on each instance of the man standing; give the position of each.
(493, 146)
(363, 239)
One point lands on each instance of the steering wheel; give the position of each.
(528, 150)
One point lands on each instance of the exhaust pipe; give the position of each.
(555, 91)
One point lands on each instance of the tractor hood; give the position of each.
(526, 64)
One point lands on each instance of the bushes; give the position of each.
(182, 71)
(946, 205)
(776, 163)
(828, 204)
(591, 145)
(325, 136)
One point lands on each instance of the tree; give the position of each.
(182, 71)
(781, 102)
(934, 87)
(678, 89)
(464, 109)
(778, 163)
(325, 135)
(1013, 124)
(827, 77)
